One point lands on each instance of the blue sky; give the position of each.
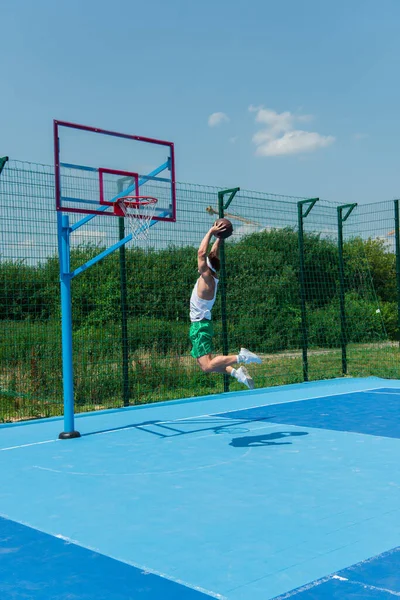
(308, 90)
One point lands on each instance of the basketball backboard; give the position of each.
(94, 167)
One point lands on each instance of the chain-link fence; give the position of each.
(290, 297)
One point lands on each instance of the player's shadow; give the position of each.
(265, 439)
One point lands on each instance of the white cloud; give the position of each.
(233, 140)
(275, 122)
(294, 142)
(217, 118)
(279, 136)
(360, 136)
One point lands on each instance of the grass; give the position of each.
(31, 371)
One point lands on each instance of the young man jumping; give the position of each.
(201, 303)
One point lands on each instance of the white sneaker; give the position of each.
(245, 356)
(244, 377)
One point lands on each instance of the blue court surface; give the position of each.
(289, 492)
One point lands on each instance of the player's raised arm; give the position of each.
(203, 248)
(216, 246)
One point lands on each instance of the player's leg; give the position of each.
(216, 364)
(244, 356)
(223, 364)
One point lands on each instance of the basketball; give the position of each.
(228, 231)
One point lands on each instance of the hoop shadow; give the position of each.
(166, 429)
(265, 439)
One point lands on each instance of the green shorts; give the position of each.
(201, 334)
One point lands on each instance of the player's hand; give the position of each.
(216, 229)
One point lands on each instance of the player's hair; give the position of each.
(214, 260)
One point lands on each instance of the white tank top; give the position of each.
(199, 308)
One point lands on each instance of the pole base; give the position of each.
(69, 435)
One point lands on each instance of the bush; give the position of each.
(363, 323)
(262, 292)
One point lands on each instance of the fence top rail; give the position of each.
(32, 167)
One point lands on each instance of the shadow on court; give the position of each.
(265, 439)
(164, 429)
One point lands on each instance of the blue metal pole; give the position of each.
(66, 327)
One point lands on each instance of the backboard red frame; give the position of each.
(134, 176)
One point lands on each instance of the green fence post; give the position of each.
(343, 324)
(124, 308)
(3, 163)
(222, 206)
(300, 217)
(397, 242)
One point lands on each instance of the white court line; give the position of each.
(27, 445)
(318, 582)
(144, 473)
(374, 588)
(225, 412)
(206, 415)
(273, 404)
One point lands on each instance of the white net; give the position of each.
(138, 212)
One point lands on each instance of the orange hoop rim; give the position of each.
(137, 201)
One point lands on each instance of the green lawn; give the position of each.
(31, 375)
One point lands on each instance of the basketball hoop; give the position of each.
(138, 212)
